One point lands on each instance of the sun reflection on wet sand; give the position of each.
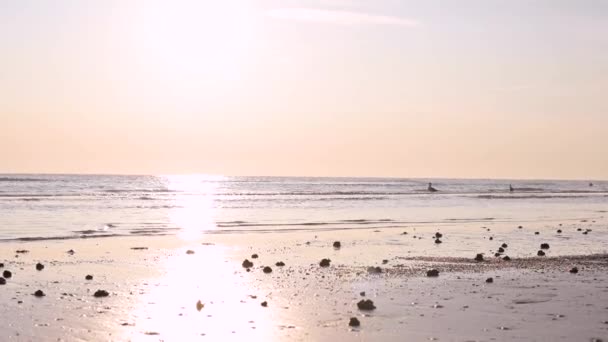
(230, 309)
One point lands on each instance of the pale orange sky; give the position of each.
(492, 89)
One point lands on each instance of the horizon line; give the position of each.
(300, 176)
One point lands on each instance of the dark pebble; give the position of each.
(71, 251)
(536, 233)
(22, 251)
(579, 229)
(497, 254)
(324, 263)
(504, 245)
(385, 261)
(374, 270)
(101, 293)
(7, 274)
(2, 281)
(559, 231)
(479, 257)
(491, 238)
(366, 304)
(540, 253)
(247, 263)
(574, 270)
(254, 256)
(506, 258)
(520, 227)
(544, 246)
(489, 280)
(362, 293)
(39, 266)
(438, 235)
(585, 232)
(267, 269)
(1, 265)
(280, 264)
(354, 322)
(337, 244)
(432, 273)
(404, 233)
(39, 293)
(501, 250)
(437, 241)
(89, 277)
(264, 304)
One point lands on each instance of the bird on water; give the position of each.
(511, 188)
(430, 188)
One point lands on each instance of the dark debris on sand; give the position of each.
(88, 277)
(574, 270)
(540, 253)
(101, 293)
(254, 256)
(544, 246)
(247, 264)
(479, 257)
(490, 280)
(39, 293)
(337, 244)
(264, 304)
(354, 322)
(280, 264)
(325, 263)
(2, 281)
(432, 273)
(366, 305)
(267, 269)
(7, 274)
(39, 266)
(415, 266)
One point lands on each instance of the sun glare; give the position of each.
(193, 208)
(192, 41)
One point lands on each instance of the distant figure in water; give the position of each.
(430, 188)
(511, 188)
(590, 184)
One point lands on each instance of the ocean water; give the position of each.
(82, 206)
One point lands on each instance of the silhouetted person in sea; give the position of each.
(430, 188)
(511, 188)
(590, 184)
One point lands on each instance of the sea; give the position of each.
(47, 207)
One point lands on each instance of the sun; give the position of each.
(193, 42)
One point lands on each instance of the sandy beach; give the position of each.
(167, 288)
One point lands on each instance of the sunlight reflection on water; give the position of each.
(193, 209)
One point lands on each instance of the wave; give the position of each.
(539, 196)
(380, 223)
(118, 191)
(18, 179)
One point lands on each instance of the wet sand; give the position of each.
(178, 289)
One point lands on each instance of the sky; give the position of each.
(383, 88)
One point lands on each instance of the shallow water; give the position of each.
(74, 206)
